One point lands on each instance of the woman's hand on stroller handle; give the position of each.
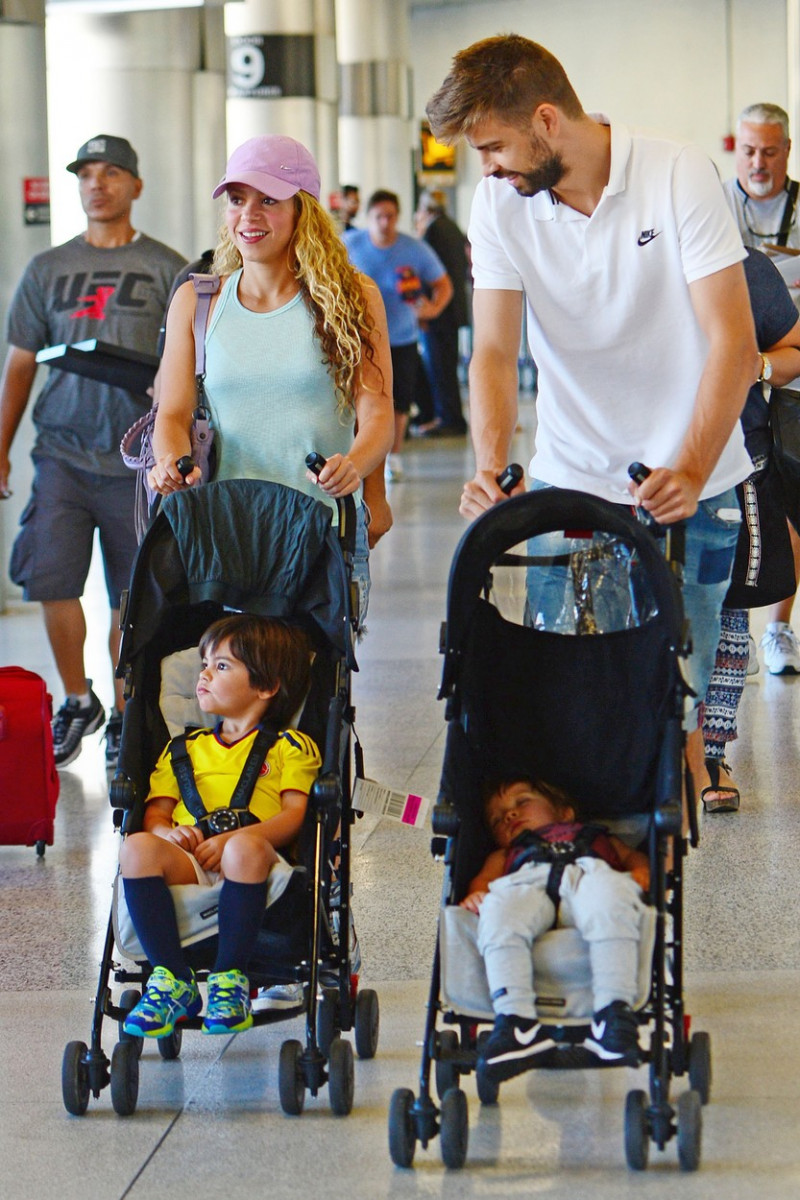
(337, 475)
(172, 475)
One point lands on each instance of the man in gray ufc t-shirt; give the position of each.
(110, 283)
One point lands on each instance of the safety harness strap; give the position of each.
(181, 763)
(534, 848)
(792, 187)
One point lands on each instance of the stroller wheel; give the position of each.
(341, 1077)
(488, 1090)
(700, 1066)
(124, 1078)
(690, 1130)
(454, 1129)
(402, 1133)
(127, 1002)
(448, 1075)
(637, 1136)
(327, 1020)
(75, 1079)
(367, 1023)
(291, 1085)
(169, 1047)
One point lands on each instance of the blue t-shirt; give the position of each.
(774, 315)
(402, 271)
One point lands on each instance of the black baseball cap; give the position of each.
(104, 148)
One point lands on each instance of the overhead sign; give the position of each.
(266, 66)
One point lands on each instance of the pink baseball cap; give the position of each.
(275, 165)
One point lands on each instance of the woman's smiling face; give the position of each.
(260, 227)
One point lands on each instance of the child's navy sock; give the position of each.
(153, 915)
(241, 910)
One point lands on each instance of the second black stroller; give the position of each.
(262, 548)
(557, 687)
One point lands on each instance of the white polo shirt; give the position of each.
(610, 321)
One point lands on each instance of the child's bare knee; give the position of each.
(136, 850)
(247, 858)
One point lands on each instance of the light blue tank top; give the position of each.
(270, 393)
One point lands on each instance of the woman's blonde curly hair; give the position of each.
(332, 289)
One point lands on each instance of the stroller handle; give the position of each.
(508, 479)
(675, 535)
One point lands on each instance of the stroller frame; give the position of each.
(332, 1002)
(454, 1050)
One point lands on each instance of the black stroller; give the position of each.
(592, 704)
(270, 550)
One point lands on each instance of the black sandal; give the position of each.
(725, 797)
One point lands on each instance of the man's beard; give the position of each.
(757, 188)
(543, 178)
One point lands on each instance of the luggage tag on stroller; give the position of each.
(372, 797)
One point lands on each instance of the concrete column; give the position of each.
(130, 74)
(376, 138)
(24, 210)
(793, 82)
(281, 76)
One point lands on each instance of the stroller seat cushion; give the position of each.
(560, 964)
(177, 698)
(195, 906)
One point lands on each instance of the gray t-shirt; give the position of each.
(760, 221)
(75, 292)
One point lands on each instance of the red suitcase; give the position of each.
(28, 776)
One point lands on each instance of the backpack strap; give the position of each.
(792, 187)
(205, 286)
(239, 805)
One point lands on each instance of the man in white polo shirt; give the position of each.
(638, 315)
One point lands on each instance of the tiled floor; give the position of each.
(211, 1122)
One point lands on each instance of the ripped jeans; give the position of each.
(711, 536)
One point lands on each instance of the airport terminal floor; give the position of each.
(212, 1123)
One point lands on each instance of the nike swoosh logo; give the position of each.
(598, 1030)
(527, 1037)
(647, 235)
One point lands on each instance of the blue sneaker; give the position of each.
(229, 1009)
(166, 1001)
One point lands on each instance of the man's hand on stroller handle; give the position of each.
(666, 495)
(488, 488)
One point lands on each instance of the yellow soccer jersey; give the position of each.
(292, 765)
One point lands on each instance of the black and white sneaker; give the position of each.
(614, 1035)
(113, 737)
(512, 1047)
(71, 724)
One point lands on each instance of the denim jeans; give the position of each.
(710, 548)
(361, 564)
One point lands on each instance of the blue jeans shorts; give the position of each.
(52, 553)
(710, 548)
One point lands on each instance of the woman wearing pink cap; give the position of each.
(297, 349)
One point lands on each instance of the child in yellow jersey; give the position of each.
(254, 670)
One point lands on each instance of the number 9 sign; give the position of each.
(246, 64)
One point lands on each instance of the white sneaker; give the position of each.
(781, 649)
(282, 995)
(752, 656)
(394, 468)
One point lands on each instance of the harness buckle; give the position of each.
(223, 820)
